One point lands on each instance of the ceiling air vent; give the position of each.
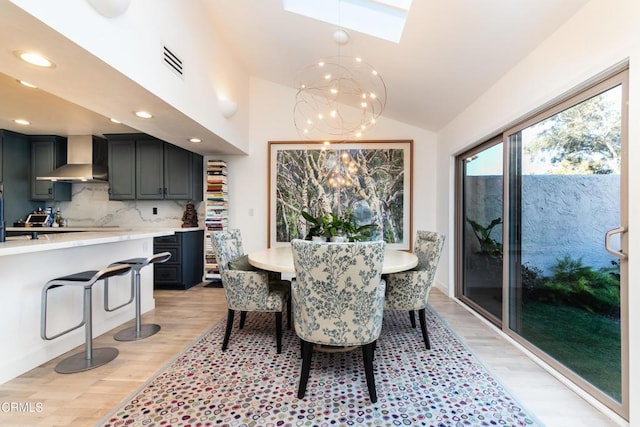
(172, 61)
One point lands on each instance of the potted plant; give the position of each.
(337, 229)
(317, 230)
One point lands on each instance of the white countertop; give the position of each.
(103, 228)
(24, 244)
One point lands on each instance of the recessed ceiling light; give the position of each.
(27, 84)
(22, 122)
(35, 59)
(115, 120)
(195, 140)
(143, 114)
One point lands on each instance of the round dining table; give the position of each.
(280, 259)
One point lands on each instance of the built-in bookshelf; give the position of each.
(216, 215)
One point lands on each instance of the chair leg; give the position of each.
(278, 332)
(289, 312)
(243, 317)
(367, 356)
(227, 332)
(423, 326)
(307, 351)
(412, 318)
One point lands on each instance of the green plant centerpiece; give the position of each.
(337, 227)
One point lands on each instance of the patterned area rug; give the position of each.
(251, 385)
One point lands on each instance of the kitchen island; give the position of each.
(26, 265)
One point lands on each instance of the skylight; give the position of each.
(384, 19)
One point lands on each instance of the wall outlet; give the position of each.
(155, 211)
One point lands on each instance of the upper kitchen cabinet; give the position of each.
(14, 174)
(146, 168)
(48, 152)
(122, 169)
(182, 176)
(150, 181)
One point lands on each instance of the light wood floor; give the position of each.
(82, 399)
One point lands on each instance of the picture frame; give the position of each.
(370, 181)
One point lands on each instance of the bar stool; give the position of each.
(90, 358)
(139, 331)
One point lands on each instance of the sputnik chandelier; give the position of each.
(338, 97)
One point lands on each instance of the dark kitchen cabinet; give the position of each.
(178, 173)
(165, 171)
(122, 170)
(48, 152)
(15, 177)
(197, 175)
(184, 269)
(151, 169)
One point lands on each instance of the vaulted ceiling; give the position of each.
(450, 53)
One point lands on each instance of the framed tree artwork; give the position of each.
(368, 181)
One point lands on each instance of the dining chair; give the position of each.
(409, 290)
(338, 300)
(247, 289)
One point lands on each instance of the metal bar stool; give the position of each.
(139, 331)
(90, 358)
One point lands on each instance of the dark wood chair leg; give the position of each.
(278, 332)
(289, 312)
(423, 326)
(243, 317)
(367, 356)
(412, 318)
(227, 332)
(307, 351)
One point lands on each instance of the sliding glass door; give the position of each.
(481, 228)
(562, 283)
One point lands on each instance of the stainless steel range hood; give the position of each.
(86, 161)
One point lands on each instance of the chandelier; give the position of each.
(338, 97)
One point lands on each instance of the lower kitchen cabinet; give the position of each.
(184, 269)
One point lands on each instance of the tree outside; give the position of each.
(583, 139)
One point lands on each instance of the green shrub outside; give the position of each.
(574, 284)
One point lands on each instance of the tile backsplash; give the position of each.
(90, 207)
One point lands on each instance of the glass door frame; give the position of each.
(620, 78)
(460, 224)
(614, 78)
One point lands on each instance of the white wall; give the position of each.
(602, 35)
(272, 120)
(132, 44)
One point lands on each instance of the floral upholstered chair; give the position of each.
(338, 300)
(409, 290)
(246, 288)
